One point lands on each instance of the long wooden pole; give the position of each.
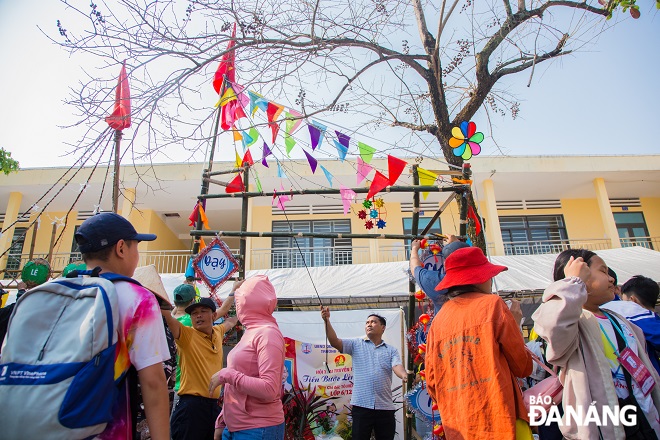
(115, 178)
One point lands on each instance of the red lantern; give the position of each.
(419, 295)
(422, 348)
(435, 250)
(424, 319)
(422, 374)
(423, 243)
(439, 431)
(434, 407)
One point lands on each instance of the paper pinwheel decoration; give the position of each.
(465, 140)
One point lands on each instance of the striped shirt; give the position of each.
(372, 372)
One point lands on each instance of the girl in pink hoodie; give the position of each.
(253, 377)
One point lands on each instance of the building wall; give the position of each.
(651, 209)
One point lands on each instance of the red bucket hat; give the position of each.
(468, 266)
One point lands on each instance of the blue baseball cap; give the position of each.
(104, 230)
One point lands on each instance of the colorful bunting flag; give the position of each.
(226, 69)
(289, 143)
(256, 179)
(205, 220)
(327, 174)
(237, 134)
(257, 102)
(198, 213)
(247, 158)
(236, 185)
(363, 170)
(253, 137)
(316, 131)
(239, 162)
(267, 153)
(395, 167)
(280, 172)
(347, 196)
(426, 178)
(273, 112)
(295, 123)
(366, 152)
(343, 139)
(379, 183)
(473, 216)
(121, 114)
(312, 162)
(341, 150)
(202, 243)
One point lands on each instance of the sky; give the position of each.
(603, 100)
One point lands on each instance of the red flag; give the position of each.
(247, 158)
(121, 115)
(226, 69)
(235, 185)
(379, 183)
(193, 215)
(395, 167)
(473, 216)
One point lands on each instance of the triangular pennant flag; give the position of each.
(256, 179)
(312, 162)
(236, 185)
(294, 123)
(239, 162)
(316, 131)
(227, 97)
(289, 142)
(477, 223)
(426, 178)
(253, 135)
(273, 111)
(366, 152)
(363, 170)
(257, 101)
(280, 172)
(347, 196)
(247, 158)
(341, 150)
(274, 128)
(202, 216)
(267, 153)
(247, 139)
(395, 167)
(202, 243)
(237, 135)
(379, 183)
(327, 174)
(193, 215)
(226, 69)
(343, 139)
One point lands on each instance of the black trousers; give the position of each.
(381, 421)
(194, 418)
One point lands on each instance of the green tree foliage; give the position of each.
(7, 164)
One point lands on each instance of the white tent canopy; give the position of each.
(526, 272)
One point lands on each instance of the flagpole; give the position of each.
(115, 180)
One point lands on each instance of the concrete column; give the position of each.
(248, 240)
(11, 214)
(493, 231)
(127, 203)
(606, 212)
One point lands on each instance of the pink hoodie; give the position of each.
(253, 377)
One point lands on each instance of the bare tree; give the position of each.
(421, 65)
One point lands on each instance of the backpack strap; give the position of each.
(96, 272)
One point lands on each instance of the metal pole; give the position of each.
(213, 233)
(115, 178)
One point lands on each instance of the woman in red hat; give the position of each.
(474, 353)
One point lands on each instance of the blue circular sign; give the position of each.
(215, 265)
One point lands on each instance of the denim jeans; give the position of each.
(275, 432)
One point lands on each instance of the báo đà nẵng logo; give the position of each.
(578, 415)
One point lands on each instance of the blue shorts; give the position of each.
(275, 432)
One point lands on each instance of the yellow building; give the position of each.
(530, 205)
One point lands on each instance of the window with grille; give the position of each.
(15, 251)
(526, 235)
(298, 251)
(632, 229)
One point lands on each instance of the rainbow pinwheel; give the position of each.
(465, 140)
